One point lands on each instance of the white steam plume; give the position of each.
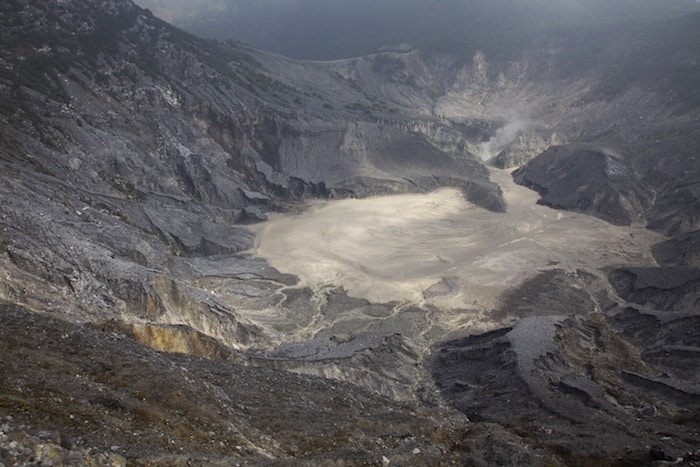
(502, 138)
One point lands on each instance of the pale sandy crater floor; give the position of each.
(439, 252)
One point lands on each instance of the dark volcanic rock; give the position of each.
(682, 250)
(551, 292)
(525, 148)
(570, 384)
(668, 341)
(667, 289)
(677, 209)
(587, 179)
(664, 324)
(151, 408)
(132, 154)
(127, 142)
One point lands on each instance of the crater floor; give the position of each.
(438, 251)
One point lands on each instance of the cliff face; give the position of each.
(138, 142)
(134, 156)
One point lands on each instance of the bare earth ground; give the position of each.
(438, 250)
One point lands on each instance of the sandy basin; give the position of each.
(395, 248)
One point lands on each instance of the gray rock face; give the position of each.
(639, 174)
(134, 158)
(566, 382)
(587, 179)
(182, 409)
(661, 320)
(667, 289)
(683, 250)
(524, 148)
(139, 143)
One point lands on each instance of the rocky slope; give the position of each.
(134, 156)
(131, 145)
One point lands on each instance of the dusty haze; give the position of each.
(328, 29)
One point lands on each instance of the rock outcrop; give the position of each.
(586, 179)
(571, 383)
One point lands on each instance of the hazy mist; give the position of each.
(327, 29)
